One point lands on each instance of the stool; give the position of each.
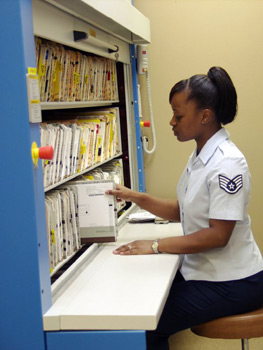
(243, 326)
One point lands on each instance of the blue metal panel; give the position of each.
(25, 286)
(140, 159)
(21, 223)
(44, 268)
(97, 340)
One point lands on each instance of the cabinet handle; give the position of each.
(79, 36)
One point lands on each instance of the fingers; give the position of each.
(114, 192)
(140, 247)
(126, 249)
(111, 192)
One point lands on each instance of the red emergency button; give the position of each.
(45, 152)
(146, 123)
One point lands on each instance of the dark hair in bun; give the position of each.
(214, 91)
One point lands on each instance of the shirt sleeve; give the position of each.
(229, 189)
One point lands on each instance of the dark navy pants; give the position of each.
(191, 303)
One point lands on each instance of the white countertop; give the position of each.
(118, 292)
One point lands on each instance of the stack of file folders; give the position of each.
(79, 212)
(80, 143)
(62, 225)
(69, 76)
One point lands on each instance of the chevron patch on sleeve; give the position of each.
(231, 186)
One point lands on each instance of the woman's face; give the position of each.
(187, 118)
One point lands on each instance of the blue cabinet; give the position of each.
(25, 292)
(115, 340)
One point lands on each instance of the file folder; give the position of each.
(97, 211)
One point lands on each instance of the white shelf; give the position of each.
(114, 291)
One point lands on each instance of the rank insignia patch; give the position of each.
(231, 186)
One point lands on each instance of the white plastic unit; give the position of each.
(54, 24)
(117, 17)
(107, 291)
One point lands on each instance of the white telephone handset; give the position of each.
(142, 68)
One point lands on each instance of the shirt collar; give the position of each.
(211, 145)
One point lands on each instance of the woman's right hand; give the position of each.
(122, 192)
(165, 208)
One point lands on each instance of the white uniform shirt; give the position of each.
(216, 185)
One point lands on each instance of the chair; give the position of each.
(243, 326)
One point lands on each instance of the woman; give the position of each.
(222, 268)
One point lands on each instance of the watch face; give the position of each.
(155, 247)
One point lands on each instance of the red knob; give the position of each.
(46, 152)
(146, 124)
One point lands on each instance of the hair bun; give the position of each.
(212, 73)
(227, 97)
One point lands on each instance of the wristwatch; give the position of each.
(155, 246)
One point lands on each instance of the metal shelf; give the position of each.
(71, 177)
(78, 104)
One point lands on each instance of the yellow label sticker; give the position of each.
(54, 76)
(76, 78)
(83, 148)
(53, 237)
(31, 70)
(92, 32)
(42, 70)
(33, 76)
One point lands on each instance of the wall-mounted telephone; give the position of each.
(142, 59)
(142, 68)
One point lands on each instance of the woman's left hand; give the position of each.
(135, 248)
